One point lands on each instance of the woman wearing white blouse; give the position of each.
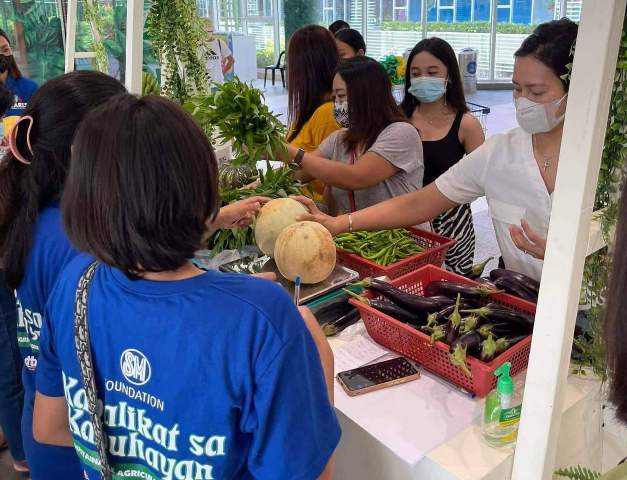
(515, 171)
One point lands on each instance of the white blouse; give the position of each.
(504, 170)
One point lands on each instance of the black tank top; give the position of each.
(440, 155)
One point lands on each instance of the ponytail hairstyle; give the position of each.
(33, 173)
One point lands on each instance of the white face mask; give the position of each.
(536, 117)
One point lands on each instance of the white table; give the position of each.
(428, 430)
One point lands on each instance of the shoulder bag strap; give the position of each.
(83, 350)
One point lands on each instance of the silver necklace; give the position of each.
(546, 160)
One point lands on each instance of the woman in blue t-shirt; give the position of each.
(21, 87)
(34, 245)
(202, 374)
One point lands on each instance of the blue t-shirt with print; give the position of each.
(212, 377)
(50, 251)
(22, 89)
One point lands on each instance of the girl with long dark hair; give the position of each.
(312, 57)
(201, 374)
(377, 155)
(11, 390)
(33, 244)
(434, 101)
(515, 171)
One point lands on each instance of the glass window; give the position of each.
(263, 32)
(573, 9)
(464, 33)
(393, 27)
(511, 33)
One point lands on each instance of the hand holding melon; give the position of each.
(304, 249)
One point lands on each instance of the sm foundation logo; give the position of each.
(135, 367)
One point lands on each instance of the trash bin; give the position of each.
(468, 69)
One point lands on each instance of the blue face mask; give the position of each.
(428, 89)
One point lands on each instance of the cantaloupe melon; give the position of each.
(305, 249)
(273, 217)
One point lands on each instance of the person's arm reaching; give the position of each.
(405, 211)
(370, 169)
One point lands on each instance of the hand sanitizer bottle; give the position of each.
(502, 410)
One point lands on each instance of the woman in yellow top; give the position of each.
(312, 57)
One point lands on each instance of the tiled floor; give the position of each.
(6, 468)
(502, 117)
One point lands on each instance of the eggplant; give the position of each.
(412, 303)
(394, 311)
(332, 310)
(452, 289)
(469, 324)
(505, 343)
(461, 347)
(498, 314)
(477, 270)
(388, 308)
(501, 330)
(336, 326)
(471, 341)
(437, 333)
(513, 287)
(453, 324)
(488, 349)
(446, 312)
(527, 282)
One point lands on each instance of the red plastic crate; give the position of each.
(435, 247)
(415, 345)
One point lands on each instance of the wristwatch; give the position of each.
(298, 159)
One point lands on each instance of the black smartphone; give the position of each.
(376, 376)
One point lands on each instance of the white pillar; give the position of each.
(580, 156)
(134, 45)
(70, 36)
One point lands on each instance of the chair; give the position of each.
(274, 68)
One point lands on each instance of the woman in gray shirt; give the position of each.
(377, 155)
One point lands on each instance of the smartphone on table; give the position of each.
(377, 376)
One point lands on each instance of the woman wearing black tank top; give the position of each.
(435, 103)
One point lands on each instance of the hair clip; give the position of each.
(13, 139)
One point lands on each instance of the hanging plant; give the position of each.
(97, 25)
(177, 34)
(589, 348)
(238, 114)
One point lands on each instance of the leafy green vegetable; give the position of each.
(237, 111)
(275, 183)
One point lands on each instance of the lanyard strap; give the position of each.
(351, 194)
(86, 364)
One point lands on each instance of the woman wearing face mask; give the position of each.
(434, 101)
(378, 154)
(21, 87)
(515, 171)
(312, 56)
(350, 43)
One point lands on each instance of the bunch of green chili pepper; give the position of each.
(381, 247)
